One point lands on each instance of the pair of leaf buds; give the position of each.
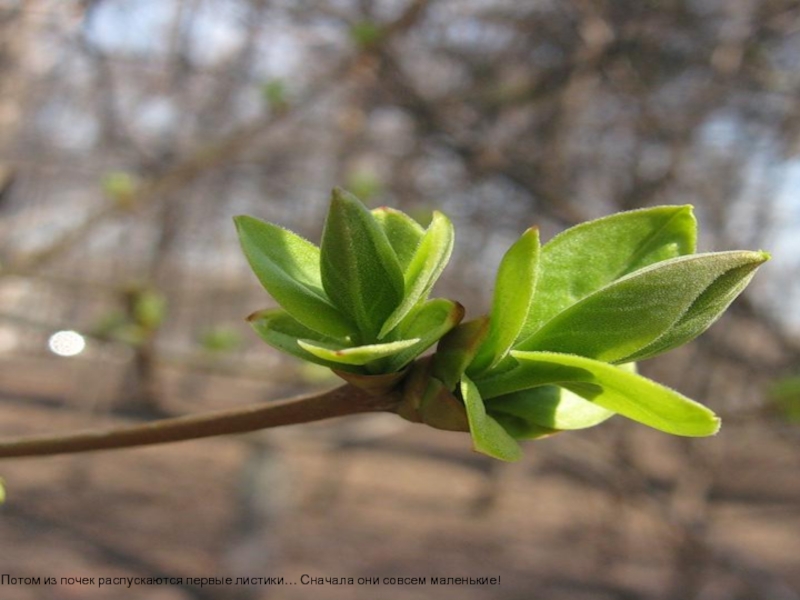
(558, 349)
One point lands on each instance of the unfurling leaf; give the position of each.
(288, 268)
(513, 291)
(535, 412)
(620, 391)
(617, 321)
(589, 256)
(703, 312)
(488, 436)
(549, 407)
(355, 355)
(403, 233)
(424, 268)
(457, 349)
(427, 323)
(360, 271)
(282, 331)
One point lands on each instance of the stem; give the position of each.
(344, 400)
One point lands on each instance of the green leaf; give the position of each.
(620, 391)
(356, 355)
(440, 409)
(488, 436)
(615, 322)
(591, 255)
(276, 94)
(423, 270)
(534, 412)
(549, 407)
(282, 331)
(360, 271)
(457, 349)
(366, 33)
(513, 291)
(704, 312)
(403, 233)
(427, 323)
(288, 268)
(149, 308)
(520, 429)
(121, 187)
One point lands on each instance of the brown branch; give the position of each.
(344, 400)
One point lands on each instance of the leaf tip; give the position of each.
(239, 221)
(716, 425)
(458, 312)
(254, 316)
(263, 313)
(342, 196)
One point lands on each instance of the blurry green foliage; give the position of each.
(785, 397)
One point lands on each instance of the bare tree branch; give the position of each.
(341, 401)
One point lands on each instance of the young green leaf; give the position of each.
(427, 323)
(426, 400)
(488, 436)
(360, 271)
(703, 312)
(282, 331)
(288, 267)
(523, 376)
(549, 407)
(356, 355)
(403, 233)
(615, 322)
(623, 392)
(456, 350)
(378, 384)
(423, 270)
(520, 429)
(591, 255)
(439, 408)
(513, 291)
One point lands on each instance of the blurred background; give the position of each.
(131, 131)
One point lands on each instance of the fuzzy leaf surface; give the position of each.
(288, 267)
(513, 292)
(424, 268)
(403, 233)
(621, 391)
(615, 322)
(488, 436)
(282, 331)
(532, 413)
(356, 355)
(360, 271)
(704, 312)
(591, 255)
(427, 323)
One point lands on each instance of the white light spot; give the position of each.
(66, 343)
